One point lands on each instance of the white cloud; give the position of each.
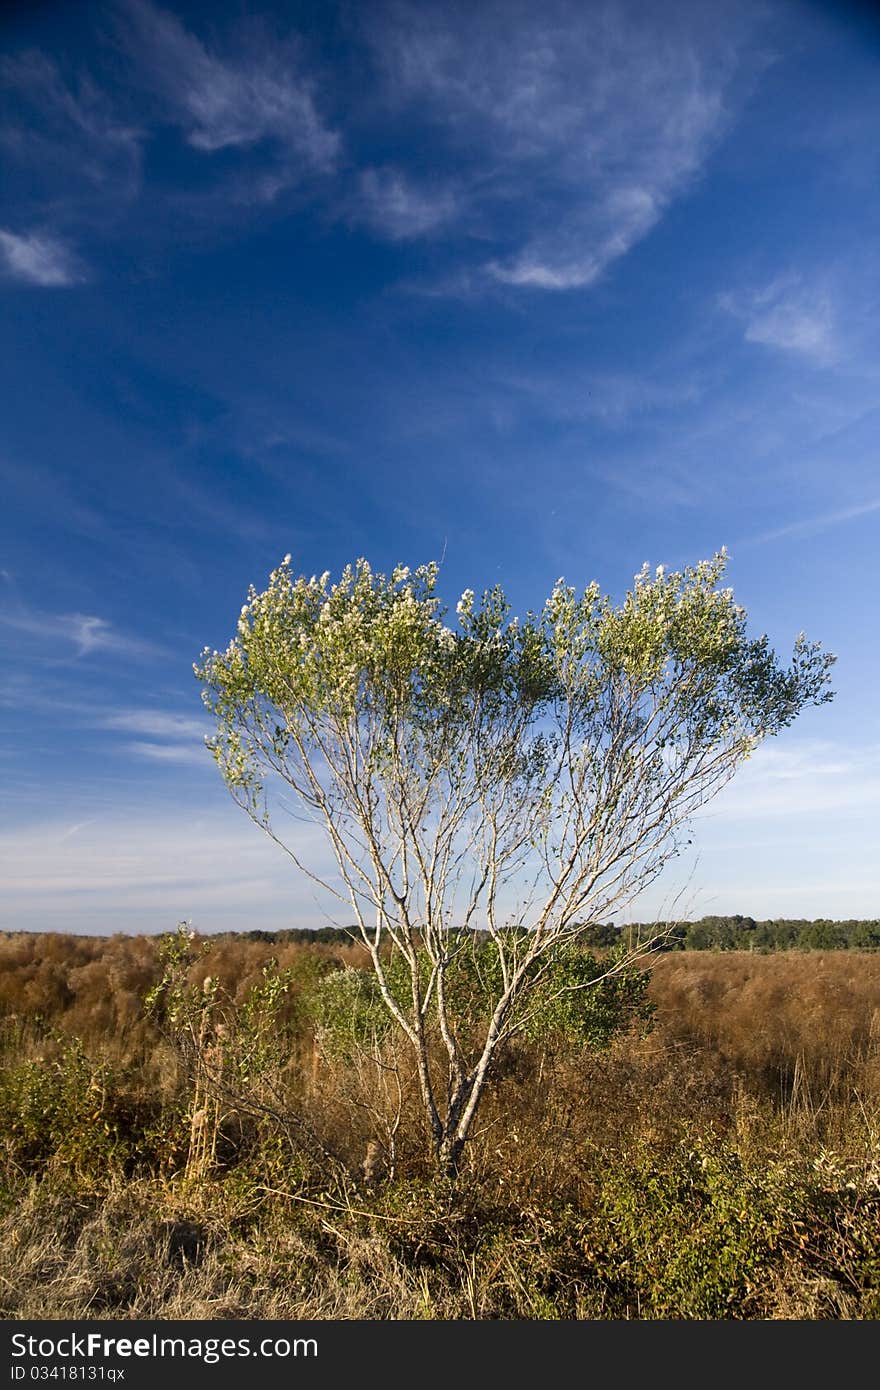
(72, 135)
(572, 127)
(131, 872)
(157, 724)
(613, 398)
(813, 803)
(794, 327)
(234, 100)
(399, 209)
(793, 835)
(72, 830)
(171, 753)
(86, 633)
(789, 316)
(92, 634)
(810, 778)
(812, 526)
(39, 259)
(174, 738)
(577, 254)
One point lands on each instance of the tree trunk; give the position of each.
(449, 1156)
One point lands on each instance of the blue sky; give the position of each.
(541, 289)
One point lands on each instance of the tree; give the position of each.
(521, 776)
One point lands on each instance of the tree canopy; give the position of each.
(519, 775)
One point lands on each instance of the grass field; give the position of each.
(724, 1164)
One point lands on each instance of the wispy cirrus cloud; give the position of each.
(76, 137)
(38, 259)
(177, 753)
(165, 736)
(811, 776)
(158, 735)
(82, 634)
(813, 525)
(72, 163)
(614, 399)
(92, 870)
(399, 208)
(559, 135)
(573, 127)
(801, 817)
(67, 132)
(576, 255)
(788, 315)
(156, 723)
(255, 92)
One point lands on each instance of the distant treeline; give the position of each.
(736, 933)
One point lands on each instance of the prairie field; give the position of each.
(233, 1156)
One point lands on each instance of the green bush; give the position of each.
(579, 1001)
(697, 1233)
(64, 1106)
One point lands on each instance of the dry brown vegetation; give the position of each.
(726, 1164)
(772, 1021)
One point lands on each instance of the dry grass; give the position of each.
(725, 1165)
(787, 1025)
